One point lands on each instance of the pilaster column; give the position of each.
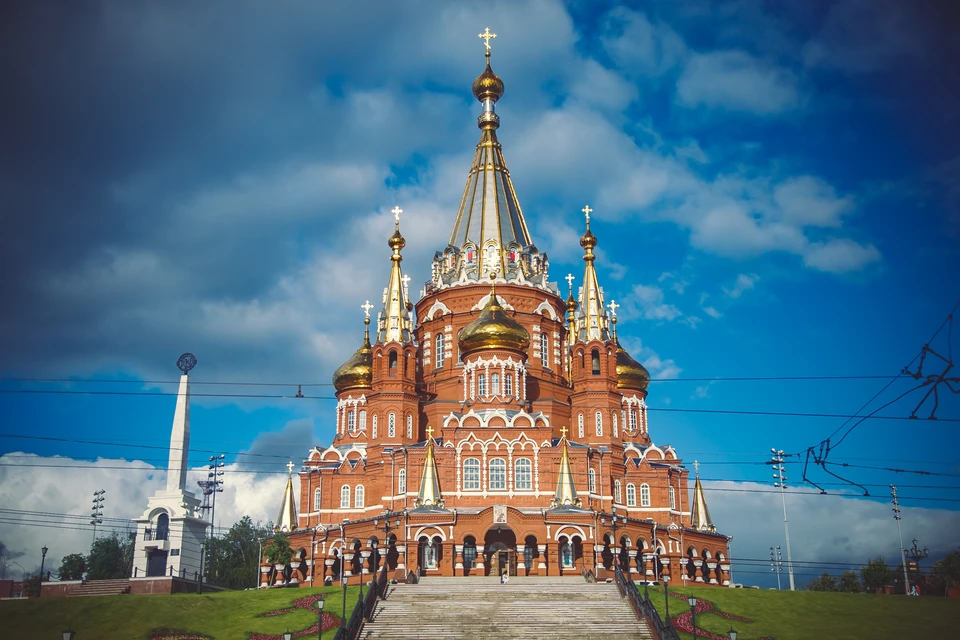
(364, 568)
(327, 568)
(597, 555)
(712, 570)
(542, 561)
(458, 559)
(265, 575)
(647, 559)
(348, 564)
(521, 561)
(478, 565)
(726, 574)
(699, 570)
(666, 567)
(401, 556)
(632, 561)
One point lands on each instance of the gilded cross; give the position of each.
(429, 433)
(587, 211)
(396, 211)
(486, 36)
(290, 467)
(563, 431)
(613, 306)
(406, 283)
(366, 306)
(570, 280)
(696, 467)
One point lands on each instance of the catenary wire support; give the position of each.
(780, 477)
(896, 516)
(96, 514)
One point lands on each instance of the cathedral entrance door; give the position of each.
(157, 563)
(500, 547)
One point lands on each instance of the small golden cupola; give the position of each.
(357, 372)
(494, 329)
(287, 518)
(630, 373)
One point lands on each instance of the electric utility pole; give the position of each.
(776, 564)
(781, 481)
(96, 515)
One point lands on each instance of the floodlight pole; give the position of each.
(903, 560)
(781, 482)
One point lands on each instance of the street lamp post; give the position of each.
(776, 564)
(614, 521)
(732, 635)
(386, 527)
(692, 601)
(320, 604)
(43, 559)
(69, 634)
(343, 576)
(781, 482)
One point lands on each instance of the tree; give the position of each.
(946, 572)
(826, 582)
(279, 550)
(849, 582)
(109, 558)
(876, 575)
(235, 558)
(72, 567)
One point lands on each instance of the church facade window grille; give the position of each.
(673, 499)
(617, 494)
(644, 495)
(363, 420)
(481, 385)
(358, 497)
(544, 350)
(595, 362)
(494, 384)
(345, 497)
(352, 420)
(598, 418)
(616, 429)
(592, 480)
(393, 364)
(392, 425)
(631, 495)
(498, 474)
(316, 499)
(471, 474)
(522, 474)
(440, 350)
(402, 481)
(373, 428)
(409, 426)
(580, 425)
(633, 419)
(508, 385)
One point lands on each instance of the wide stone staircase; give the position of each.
(102, 588)
(526, 607)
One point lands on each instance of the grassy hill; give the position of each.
(809, 615)
(237, 615)
(230, 615)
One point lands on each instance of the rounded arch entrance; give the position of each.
(500, 550)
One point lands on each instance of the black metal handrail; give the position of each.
(364, 608)
(643, 608)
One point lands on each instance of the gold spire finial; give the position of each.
(586, 212)
(696, 467)
(566, 493)
(287, 518)
(570, 278)
(563, 432)
(429, 494)
(290, 467)
(699, 513)
(366, 306)
(486, 36)
(396, 211)
(429, 433)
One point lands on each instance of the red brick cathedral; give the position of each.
(493, 426)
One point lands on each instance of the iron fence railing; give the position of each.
(363, 610)
(643, 608)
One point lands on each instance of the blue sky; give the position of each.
(776, 192)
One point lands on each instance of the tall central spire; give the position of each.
(592, 322)
(395, 321)
(490, 235)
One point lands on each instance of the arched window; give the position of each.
(316, 499)
(580, 425)
(459, 355)
(673, 498)
(363, 420)
(402, 481)
(616, 431)
(643, 418)
(392, 425)
(595, 361)
(633, 419)
(409, 426)
(374, 428)
(508, 385)
(631, 495)
(644, 495)
(352, 420)
(393, 364)
(358, 497)
(592, 477)
(345, 497)
(498, 474)
(440, 352)
(471, 474)
(163, 527)
(598, 419)
(544, 350)
(481, 385)
(494, 384)
(522, 474)
(617, 495)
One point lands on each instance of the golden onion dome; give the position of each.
(494, 329)
(397, 241)
(588, 241)
(357, 372)
(488, 85)
(630, 373)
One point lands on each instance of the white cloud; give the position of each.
(647, 301)
(736, 81)
(822, 528)
(640, 46)
(744, 282)
(602, 88)
(840, 255)
(807, 201)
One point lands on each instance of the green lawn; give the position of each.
(808, 615)
(230, 615)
